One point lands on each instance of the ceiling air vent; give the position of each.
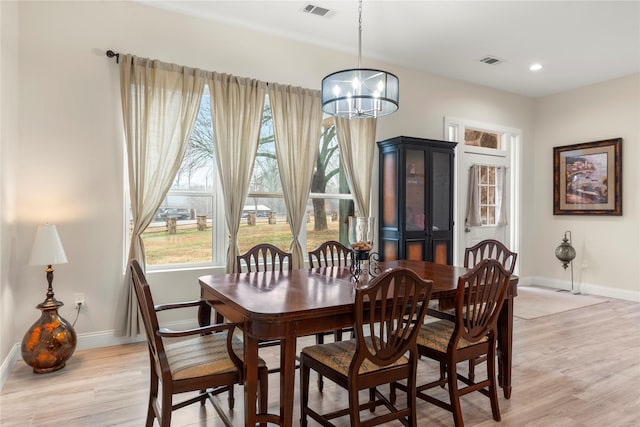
(315, 10)
(491, 60)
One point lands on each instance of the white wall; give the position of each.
(68, 153)
(608, 247)
(9, 101)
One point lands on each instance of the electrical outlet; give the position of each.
(79, 298)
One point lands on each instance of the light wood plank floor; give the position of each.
(577, 368)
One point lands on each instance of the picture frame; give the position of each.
(587, 178)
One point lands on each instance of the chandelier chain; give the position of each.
(359, 92)
(359, 33)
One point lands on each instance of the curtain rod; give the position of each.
(112, 54)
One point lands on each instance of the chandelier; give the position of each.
(360, 92)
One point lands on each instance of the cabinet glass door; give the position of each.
(441, 188)
(441, 232)
(415, 189)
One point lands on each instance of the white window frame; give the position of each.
(220, 238)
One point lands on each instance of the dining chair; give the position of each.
(384, 350)
(485, 249)
(330, 254)
(207, 359)
(473, 333)
(264, 257)
(490, 249)
(268, 258)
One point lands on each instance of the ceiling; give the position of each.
(578, 42)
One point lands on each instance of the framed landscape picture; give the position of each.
(587, 178)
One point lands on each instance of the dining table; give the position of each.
(285, 305)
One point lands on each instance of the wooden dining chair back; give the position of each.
(264, 257)
(479, 298)
(490, 249)
(207, 361)
(330, 254)
(269, 258)
(388, 312)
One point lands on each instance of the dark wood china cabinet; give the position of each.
(416, 199)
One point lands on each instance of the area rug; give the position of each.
(533, 302)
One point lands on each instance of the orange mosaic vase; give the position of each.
(50, 341)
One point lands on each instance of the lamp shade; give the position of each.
(360, 93)
(47, 248)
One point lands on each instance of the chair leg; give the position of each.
(166, 406)
(392, 393)
(443, 373)
(411, 400)
(454, 394)
(472, 370)
(231, 398)
(153, 396)
(493, 387)
(320, 340)
(472, 366)
(372, 398)
(263, 402)
(304, 388)
(203, 399)
(354, 405)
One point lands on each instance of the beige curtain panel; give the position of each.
(236, 110)
(160, 102)
(357, 142)
(501, 196)
(297, 126)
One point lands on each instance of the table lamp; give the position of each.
(51, 340)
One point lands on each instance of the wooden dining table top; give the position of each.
(316, 291)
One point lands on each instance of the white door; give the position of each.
(495, 147)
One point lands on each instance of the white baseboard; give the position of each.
(107, 338)
(87, 341)
(584, 288)
(8, 363)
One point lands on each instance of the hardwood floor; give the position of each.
(577, 368)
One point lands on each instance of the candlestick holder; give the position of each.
(363, 259)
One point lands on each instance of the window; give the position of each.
(487, 180)
(480, 138)
(264, 214)
(182, 230)
(189, 228)
(330, 201)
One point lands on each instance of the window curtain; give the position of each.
(160, 102)
(501, 195)
(473, 217)
(236, 113)
(297, 126)
(356, 139)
